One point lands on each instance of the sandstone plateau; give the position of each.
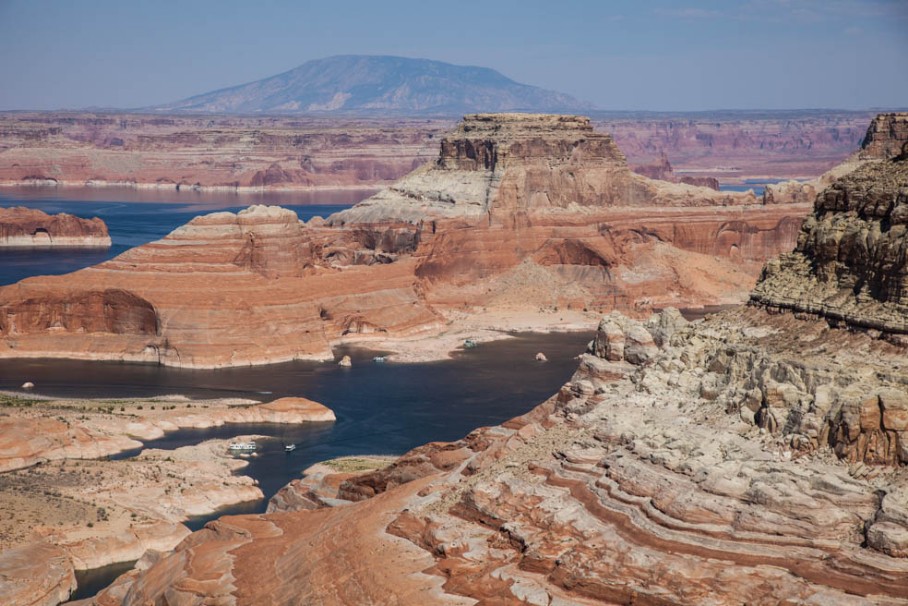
(29, 228)
(305, 152)
(755, 457)
(518, 212)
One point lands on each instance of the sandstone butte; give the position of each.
(759, 456)
(30, 228)
(518, 212)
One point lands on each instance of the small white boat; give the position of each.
(289, 447)
(242, 446)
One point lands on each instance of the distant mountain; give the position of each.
(378, 84)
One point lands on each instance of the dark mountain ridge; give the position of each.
(379, 84)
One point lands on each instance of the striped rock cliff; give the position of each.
(30, 228)
(655, 476)
(519, 212)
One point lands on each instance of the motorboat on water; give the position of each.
(289, 447)
(242, 447)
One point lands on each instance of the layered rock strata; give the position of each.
(753, 456)
(649, 478)
(274, 152)
(850, 262)
(226, 289)
(519, 212)
(30, 228)
(34, 431)
(210, 153)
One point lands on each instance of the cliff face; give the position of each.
(274, 152)
(850, 262)
(507, 165)
(518, 212)
(752, 457)
(29, 228)
(721, 462)
(886, 138)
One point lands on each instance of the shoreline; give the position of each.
(430, 345)
(50, 185)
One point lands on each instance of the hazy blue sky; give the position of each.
(617, 55)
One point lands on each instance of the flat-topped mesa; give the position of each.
(30, 228)
(850, 265)
(493, 141)
(511, 165)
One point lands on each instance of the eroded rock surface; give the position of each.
(850, 262)
(753, 457)
(39, 574)
(518, 212)
(655, 480)
(30, 228)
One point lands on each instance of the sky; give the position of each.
(617, 55)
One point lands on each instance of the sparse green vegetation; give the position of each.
(359, 464)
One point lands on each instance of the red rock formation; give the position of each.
(664, 172)
(734, 146)
(722, 462)
(516, 208)
(39, 574)
(223, 290)
(28, 228)
(641, 481)
(850, 262)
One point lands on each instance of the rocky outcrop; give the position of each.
(501, 165)
(30, 228)
(226, 289)
(519, 211)
(231, 153)
(849, 265)
(654, 476)
(886, 138)
(664, 172)
(39, 574)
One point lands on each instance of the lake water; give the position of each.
(135, 217)
(758, 185)
(381, 408)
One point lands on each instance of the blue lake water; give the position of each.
(758, 185)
